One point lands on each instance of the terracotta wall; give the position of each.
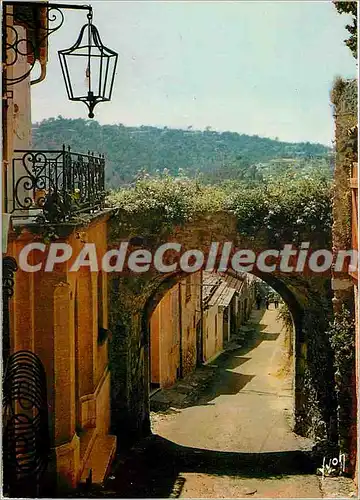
(165, 340)
(56, 315)
(213, 332)
(190, 315)
(155, 346)
(179, 310)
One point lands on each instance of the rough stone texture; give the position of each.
(344, 97)
(133, 298)
(345, 113)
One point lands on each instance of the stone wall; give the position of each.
(173, 332)
(133, 298)
(345, 98)
(190, 315)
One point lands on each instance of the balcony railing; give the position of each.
(53, 186)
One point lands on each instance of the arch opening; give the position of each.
(167, 330)
(133, 299)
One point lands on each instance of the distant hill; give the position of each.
(212, 155)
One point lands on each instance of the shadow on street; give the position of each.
(152, 471)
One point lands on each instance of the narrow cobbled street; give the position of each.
(225, 431)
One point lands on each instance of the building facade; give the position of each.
(193, 323)
(345, 234)
(58, 315)
(227, 304)
(175, 333)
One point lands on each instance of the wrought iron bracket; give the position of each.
(9, 268)
(40, 20)
(8, 95)
(26, 438)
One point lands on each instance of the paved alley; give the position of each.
(235, 439)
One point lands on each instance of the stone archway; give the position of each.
(297, 313)
(132, 299)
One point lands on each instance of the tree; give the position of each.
(218, 156)
(349, 8)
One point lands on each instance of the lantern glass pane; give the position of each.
(95, 76)
(89, 68)
(108, 74)
(77, 70)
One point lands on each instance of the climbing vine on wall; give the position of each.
(286, 209)
(320, 358)
(284, 316)
(342, 339)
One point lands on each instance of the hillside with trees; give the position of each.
(208, 155)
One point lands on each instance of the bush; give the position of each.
(285, 208)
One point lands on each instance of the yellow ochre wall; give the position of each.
(165, 340)
(56, 315)
(175, 311)
(190, 315)
(213, 332)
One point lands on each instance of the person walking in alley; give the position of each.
(276, 302)
(258, 301)
(267, 303)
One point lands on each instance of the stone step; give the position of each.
(87, 440)
(99, 460)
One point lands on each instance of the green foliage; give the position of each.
(344, 96)
(157, 204)
(337, 90)
(284, 315)
(213, 155)
(318, 383)
(263, 289)
(286, 210)
(349, 7)
(342, 339)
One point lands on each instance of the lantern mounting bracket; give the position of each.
(40, 19)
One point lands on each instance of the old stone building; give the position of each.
(193, 322)
(56, 318)
(346, 237)
(227, 303)
(175, 332)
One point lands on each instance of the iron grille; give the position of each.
(9, 267)
(26, 442)
(55, 185)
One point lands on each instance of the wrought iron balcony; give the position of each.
(54, 186)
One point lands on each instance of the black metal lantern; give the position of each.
(88, 68)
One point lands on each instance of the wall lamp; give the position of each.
(88, 67)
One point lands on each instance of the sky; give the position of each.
(258, 68)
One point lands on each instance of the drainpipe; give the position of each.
(181, 333)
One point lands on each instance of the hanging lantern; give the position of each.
(88, 68)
